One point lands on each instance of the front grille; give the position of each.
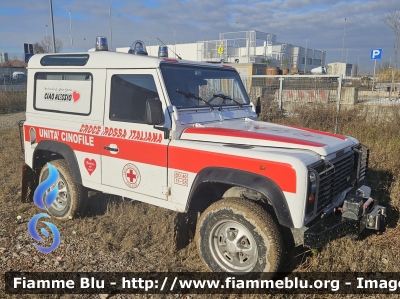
(337, 175)
(362, 153)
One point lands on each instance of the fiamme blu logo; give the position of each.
(44, 196)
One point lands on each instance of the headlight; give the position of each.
(313, 183)
(313, 177)
(312, 188)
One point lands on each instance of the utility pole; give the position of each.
(52, 26)
(174, 42)
(47, 41)
(305, 60)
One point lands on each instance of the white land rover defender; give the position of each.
(184, 135)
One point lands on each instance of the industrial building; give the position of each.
(3, 57)
(246, 47)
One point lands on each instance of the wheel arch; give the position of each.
(224, 179)
(48, 150)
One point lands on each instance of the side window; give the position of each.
(129, 94)
(69, 93)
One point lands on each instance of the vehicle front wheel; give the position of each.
(237, 235)
(70, 198)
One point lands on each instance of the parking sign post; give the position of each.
(375, 54)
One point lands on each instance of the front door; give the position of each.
(134, 154)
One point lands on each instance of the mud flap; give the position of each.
(184, 229)
(28, 183)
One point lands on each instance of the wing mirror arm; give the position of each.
(258, 106)
(155, 116)
(164, 129)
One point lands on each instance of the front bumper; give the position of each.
(356, 214)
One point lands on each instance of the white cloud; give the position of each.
(293, 21)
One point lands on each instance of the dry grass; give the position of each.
(132, 236)
(12, 101)
(382, 135)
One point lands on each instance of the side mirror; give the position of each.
(258, 106)
(154, 112)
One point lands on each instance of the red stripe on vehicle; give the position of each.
(79, 141)
(319, 132)
(142, 152)
(185, 159)
(251, 135)
(193, 160)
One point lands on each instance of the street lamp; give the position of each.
(70, 30)
(109, 12)
(84, 43)
(174, 42)
(305, 59)
(234, 40)
(344, 34)
(149, 45)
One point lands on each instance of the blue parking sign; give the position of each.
(376, 54)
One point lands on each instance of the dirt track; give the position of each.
(8, 121)
(132, 236)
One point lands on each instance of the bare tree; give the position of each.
(392, 20)
(46, 45)
(383, 66)
(355, 70)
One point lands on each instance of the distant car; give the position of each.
(19, 78)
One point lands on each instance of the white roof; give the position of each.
(108, 59)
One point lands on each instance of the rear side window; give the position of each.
(69, 93)
(65, 60)
(129, 94)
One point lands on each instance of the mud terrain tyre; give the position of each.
(70, 201)
(237, 235)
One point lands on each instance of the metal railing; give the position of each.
(289, 89)
(286, 89)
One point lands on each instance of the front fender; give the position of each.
(63, 150)
(249, 180)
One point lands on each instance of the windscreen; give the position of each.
(192, 86)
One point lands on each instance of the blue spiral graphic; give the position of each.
(32, 231)
(44, 186)
(50, 197)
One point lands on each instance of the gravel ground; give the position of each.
(10, 120)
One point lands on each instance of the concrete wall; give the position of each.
(349, 95)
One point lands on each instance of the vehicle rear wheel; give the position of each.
(237, 235)
(70, 200)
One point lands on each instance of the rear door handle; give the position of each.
(111, 149)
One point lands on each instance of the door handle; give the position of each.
(111, 149)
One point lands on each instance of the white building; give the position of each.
(339, 68)
(246, 47)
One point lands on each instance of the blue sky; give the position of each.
(293, 21)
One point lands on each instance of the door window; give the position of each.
(129, 94)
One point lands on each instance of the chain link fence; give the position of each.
(13, 78)
(288, 90)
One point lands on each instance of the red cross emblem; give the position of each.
(131, 175)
